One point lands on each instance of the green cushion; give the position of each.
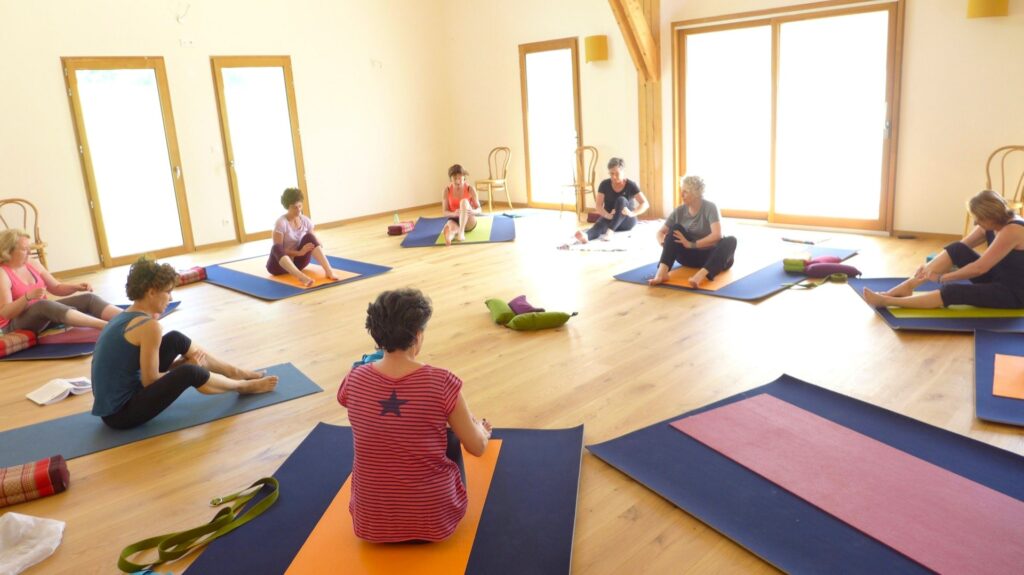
(538, 320)
(500, 312)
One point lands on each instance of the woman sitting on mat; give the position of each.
(460, 205)
(619, 202)
(997, 276)
(294, 242)
(692, 235)
(23, 287)
(138, 371)
(408, 418)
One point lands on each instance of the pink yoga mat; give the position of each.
(942, 520)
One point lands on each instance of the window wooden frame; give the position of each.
(70, 65)
(561, 44)
(217, 65)
(775, 18)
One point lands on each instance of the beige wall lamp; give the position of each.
(987, 8)
(595, 48)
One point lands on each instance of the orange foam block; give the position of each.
(333, 547)
(257, 266)
(1009, 376)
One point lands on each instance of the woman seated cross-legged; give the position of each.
(997, 276)
(23, 288)
(619, 203)
(138, 371)
(294, 242)
(692, 236)
(408, 419)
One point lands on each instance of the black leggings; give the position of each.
(619, 222)
(152, 399)
(715, 259)
(454, 452)
(984, 290)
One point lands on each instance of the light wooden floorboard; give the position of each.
(632, 357)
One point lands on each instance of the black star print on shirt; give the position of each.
(392, 405)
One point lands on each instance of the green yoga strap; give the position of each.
(173, 546)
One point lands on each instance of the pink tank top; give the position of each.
(453, 202)
(20, 288)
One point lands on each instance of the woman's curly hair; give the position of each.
(290, 196)
(145, 274)
(396, 316)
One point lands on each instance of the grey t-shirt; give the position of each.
(698, 225)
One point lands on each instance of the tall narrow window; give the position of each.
(551, 117)
(129, 152)
(788, 116)
(259, 124)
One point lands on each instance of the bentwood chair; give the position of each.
(1004, 174)
(38, 246)
(497, 176)
(585, 181)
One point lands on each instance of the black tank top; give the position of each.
(1010, 270)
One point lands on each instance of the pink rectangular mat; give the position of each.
(942, 520)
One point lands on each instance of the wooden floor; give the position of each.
(633, 356)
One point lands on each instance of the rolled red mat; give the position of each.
(29, 481)
(191, 275)
(401, 228)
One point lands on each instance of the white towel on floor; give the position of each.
(26, 540)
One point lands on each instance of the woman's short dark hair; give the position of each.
(457, 170)
(616, 163)
(145, 274)
(290, 196)
(395, 318)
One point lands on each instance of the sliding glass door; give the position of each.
(788, 118)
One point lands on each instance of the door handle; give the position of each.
(177, 172)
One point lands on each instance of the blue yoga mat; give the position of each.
(969, 324)
(760, 284)
(83, 433)
(268, 289)
(425, 234)
(779, 527)
(526, 527)
(67, 350)
(987, 406)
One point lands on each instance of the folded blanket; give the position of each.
(16, 341)
(30, 481)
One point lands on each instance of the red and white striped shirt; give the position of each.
(403, 485)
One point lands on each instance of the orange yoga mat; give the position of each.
(257, 266)
(332, 547)
(680, 277)
(942, 520)
(1009, 376)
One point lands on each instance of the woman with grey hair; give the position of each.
(619, 202)
(23, 287)
(696, 237)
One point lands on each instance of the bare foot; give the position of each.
(447, 236)
(873, 299)
(657, 279)
(462, 237)
(261, 385)
(581, 237)
(902, 290)
(306, 281)
(695, 279)
(248, 374)
(607, 236)
(330, 275)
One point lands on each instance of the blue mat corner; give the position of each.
(986, 405)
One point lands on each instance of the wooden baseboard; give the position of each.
(216, 245)
(902, 234)
(336, 223)
(77, 271)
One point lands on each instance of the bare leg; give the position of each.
(219, 366)
(660, 277)
(695, 279)
(109, 312)
(464, 216)
(289, 266)
(79, 319)
(321, 258)
(450, 228)
(941, 264)
(221, 384)
(927, 300)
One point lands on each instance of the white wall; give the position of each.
(482, 59)
(368, 131)
(962, 89)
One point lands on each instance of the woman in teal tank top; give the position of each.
(138, 371)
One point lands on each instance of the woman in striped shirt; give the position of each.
(407, 419)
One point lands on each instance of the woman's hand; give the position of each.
(306, 249)
(680, 238)
(35, 293)
(487, 427)
(933, 277)
(627, 212)
(921, 273)
(84, 286)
